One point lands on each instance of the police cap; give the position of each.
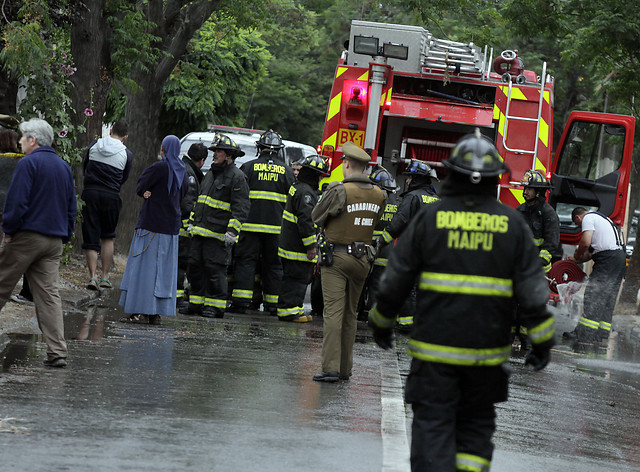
(351, 151)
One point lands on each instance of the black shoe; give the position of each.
(345, 377)
(57, 362)
(570, 334)
(190, 309)
(212, 313)
(182, 305)
(326, 377)
(237, 309)
(154, 320)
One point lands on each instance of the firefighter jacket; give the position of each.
(298, 233)
(223, 203)
(389, 212)
(269, 181)
(543, 222)
(194, 177)
(412, 202)
(349, 210)
(472, 258)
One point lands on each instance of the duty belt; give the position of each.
(356, 249)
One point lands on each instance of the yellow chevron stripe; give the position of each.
(540, 166)
(364, 77)
(516, 93)
(517, 194)
(340, 71)
(543, 134)
(334, 106)
(336, 176)
(496, 112)
(331, 140)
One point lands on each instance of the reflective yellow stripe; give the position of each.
(587, 323)
(239, 293)
(605, 326)
(287, 215)
(179, 293)
(387, 237)
(381, 261)
(205, 233)
(215, 302)
(458, 355)
(256, 228)
(289, 311)
(309, 240)
(196, 299)
(472, 463)
(405, 320)
(234, 224)
(264, 195)
(542, 332)
(466, 284)
(538, 241)
(378, 320)
(269, 298)
(213, 203)
(183, 232)
(295, 256)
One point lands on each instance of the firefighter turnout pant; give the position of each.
(453, 415)
(600, 295)
(253, 247)
(296, 276)
(342, 283)
(184, 243)
(207, 273)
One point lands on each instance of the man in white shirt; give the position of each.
(602, 242)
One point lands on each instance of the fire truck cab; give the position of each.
(402, 94)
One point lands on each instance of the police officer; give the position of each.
(420, 193)
(541, 217)
(472, 257)
(193, 162)
(218, 215)
(601, 242)
(269, 179)
(298, 239)
(383, 179)
(347, 212)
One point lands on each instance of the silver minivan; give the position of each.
(246, 139)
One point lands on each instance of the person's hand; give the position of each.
(147, 194)
(382, 336)
(538, 358)
(311, 253)
(230, 239)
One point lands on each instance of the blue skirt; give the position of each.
(151, 275)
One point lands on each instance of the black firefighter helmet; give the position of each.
(383, 179)
(535, 179)
(269, 141)
(476, 156)
(314, 162)
(420, 168)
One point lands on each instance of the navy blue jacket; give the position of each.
(161, 212)
(41, 197)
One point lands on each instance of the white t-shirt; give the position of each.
(604, 236)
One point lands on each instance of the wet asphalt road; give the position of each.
(236, 395)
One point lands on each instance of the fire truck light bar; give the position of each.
(366, 45)
(395, 51)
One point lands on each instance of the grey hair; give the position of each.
(39, 129)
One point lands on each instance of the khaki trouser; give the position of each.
(342, 283)
(38, 256)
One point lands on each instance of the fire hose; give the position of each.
(563, 272)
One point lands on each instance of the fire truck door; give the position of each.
(591, 168)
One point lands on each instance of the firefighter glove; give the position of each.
(230, 239)
(382, 336)
(538, 358)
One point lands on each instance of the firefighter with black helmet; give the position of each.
(269, 179)
(347, 213)
(541, 217)
(419, 193)
(383, 179)
(473, 258)
(218, 215)
(298, 239)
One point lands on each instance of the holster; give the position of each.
(325, 250)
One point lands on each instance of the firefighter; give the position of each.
(420, 193)
(543, 222)
(473, 258)
(218, 215)
(347, 213)
(541, 218)
(269, 180)
(383, 179)
(298, 239)
(193, 161)
(601, 242)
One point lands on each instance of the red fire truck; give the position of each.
(402, 94)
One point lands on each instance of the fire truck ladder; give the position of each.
(508, 117)
(453, 56)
